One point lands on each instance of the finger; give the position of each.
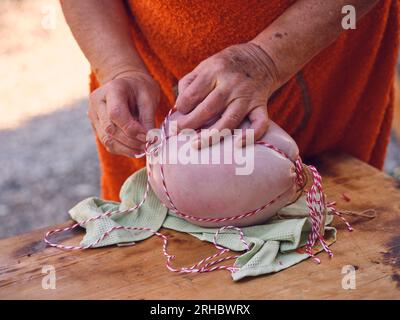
(258, 123)
(115, 132)
(92, 115)
(146, 106)
(209, 137)
(212, 106)
(94, 100)
(129, 142)
(118, 110)
(93, 112)
(194, 93)
(102, 117)
(233, 115)
(185, 81)
(114, 146)
(230, 120)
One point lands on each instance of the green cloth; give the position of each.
(273, 245)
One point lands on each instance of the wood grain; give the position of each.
(138, 272)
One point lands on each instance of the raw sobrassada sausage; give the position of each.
(216, 190)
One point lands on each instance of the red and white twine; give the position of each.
(315, 199)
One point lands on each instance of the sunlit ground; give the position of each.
(48, 160)
(42, 67)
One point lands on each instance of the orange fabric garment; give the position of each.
(342, 99)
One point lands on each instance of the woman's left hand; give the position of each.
(232, 84)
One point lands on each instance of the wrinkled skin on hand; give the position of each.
(217, 191)
(122, 111)
(230, 85)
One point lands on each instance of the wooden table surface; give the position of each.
(138, 272)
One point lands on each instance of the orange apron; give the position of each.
(341, 100)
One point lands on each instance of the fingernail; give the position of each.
(196, 143)
(240, 141)
(141, 137)
(138, 155)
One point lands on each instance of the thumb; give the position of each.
(258, 123)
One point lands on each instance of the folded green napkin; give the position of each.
(274, 245)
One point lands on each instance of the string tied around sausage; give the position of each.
(315, 199)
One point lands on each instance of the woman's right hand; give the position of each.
(122, 111)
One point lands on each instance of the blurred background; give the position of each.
(48, 159)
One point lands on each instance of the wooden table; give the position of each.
(138, 272)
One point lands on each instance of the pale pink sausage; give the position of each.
(216, 191)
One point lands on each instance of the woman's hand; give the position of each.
(122, 111)
(232, 84)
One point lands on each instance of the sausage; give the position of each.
(216, 190)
